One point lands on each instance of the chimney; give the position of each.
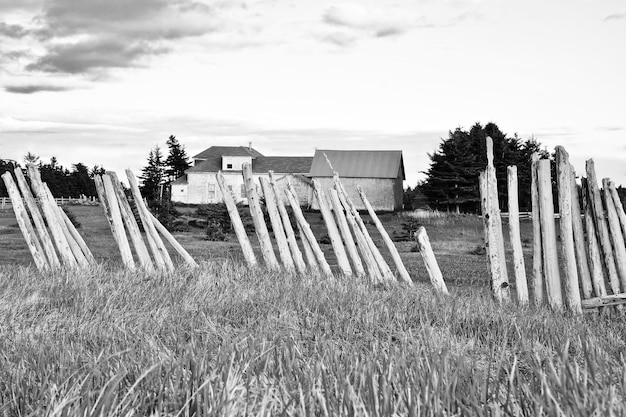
(249, 146)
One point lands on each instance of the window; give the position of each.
(211, 191)
(243, 191)
(229, 166)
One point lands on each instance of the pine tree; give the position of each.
(177, 161)
(152, 175)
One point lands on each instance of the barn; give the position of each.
(199, 184)
(379, 173)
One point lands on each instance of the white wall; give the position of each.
(179, 193)
(236, 162)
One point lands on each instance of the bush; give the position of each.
(215, 233)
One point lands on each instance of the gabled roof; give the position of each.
(180, 180)
(220, 151)
(358, 164)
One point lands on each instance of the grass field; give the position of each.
(225, 340)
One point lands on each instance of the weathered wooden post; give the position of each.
(548, 235)
(619, 207)
(235, 220)
(564, 181)
(298, 260)
(277, 225)
(500, 282)
(582, 259)
(602, 226)
(308, 250)
(362, 244)
(141, 250)
(27, 228)
(40, 226)
(160, 255)
(404, 274)
(345, 232)
(333, 232)
(76, 237)
(538, 286)
(117, 224)
(307, 233)
(596, 265)
(52, 218)
(521, 285)
(259, 222)
(615, 231)
(436, 277)
(182, 252)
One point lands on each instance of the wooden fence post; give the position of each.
(52, 218)
(404, 274)
(362, 244)
(40, 226)
(345, 232)
(619, 207)
(172, 241)
(596, 265)
(548, 235)
(28, 231)
(564, 181)
(383, 267)
(500, 283)
(538, 286)
(235, 220)
(436, 277)
(289, 232)
(333, 232)
(489, 237)
(602, 226)
(277, 225)
(259, 222)
(160, 255)
(521, 285)
(308, 250)
(141, 250)
(615, 230)
(117, 223)
(78, 239)
(582, 259)
(308, 233)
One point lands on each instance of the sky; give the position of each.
(103, 81)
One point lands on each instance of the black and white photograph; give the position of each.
(312, 208)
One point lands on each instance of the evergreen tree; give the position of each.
(5, 166)
(452, 179)
(177, 161)
(152, 175)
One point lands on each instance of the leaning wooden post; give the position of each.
(333, 231)
(308, 233)
(289, 232)
(277, 225)
(117, 224)
(345, 232)
(159, 252)
(500, 283)
(77, 238)
(615, 230)
(235, 220)
(40, 226)
(602, 226)
(596, 265)
(582, 259)
(521, 285)
(257, 217)
(436, 277)
(308, 250)
(538, 286)
(60, 240)
(404, 274)
(548, 236)
(619, 207)
(385, 271)
(373, 267)
(568, 251)
(172, 241)
(141, 250)
(28, 231)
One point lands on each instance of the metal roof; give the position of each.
(358, 164)
(260, 164)
(228, 151)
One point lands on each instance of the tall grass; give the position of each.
(224, 340)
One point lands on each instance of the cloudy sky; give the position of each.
(103, 81)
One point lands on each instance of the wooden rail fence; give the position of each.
(591, 248)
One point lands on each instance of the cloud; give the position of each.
(12, 31)
(616, 16)
(355, 16)
(33, 88)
